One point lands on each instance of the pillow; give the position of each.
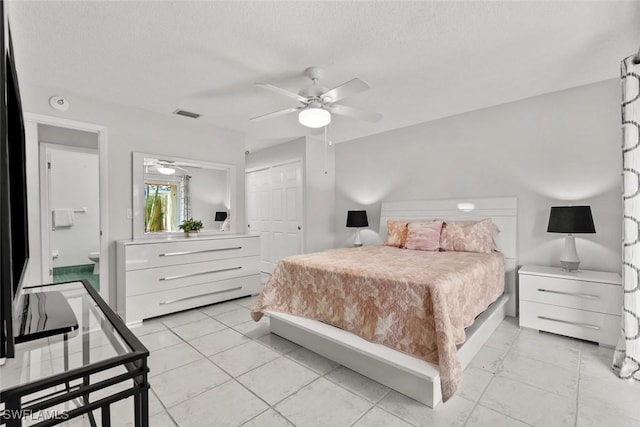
(469, 236)
(396, 233)
(424, 236)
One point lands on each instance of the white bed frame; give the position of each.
(408, 375)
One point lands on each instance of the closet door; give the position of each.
(259, 213)
(275, 211)
(286, 211)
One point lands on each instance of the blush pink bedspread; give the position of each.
(416, 302)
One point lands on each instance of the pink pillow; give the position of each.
(469, 236)
(424, 236)
(396, 233)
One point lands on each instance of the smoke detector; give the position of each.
(59, 103)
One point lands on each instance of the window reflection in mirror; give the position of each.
(174, 190)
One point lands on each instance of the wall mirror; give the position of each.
(167, 190)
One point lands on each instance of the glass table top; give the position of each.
(96, 339)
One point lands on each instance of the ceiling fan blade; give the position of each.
(283, 92)
(275, 114)
(344, 90)
(356, 113)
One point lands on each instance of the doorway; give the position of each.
(275, 211)
(70, 205)
(37, 127)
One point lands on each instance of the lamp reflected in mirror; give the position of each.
(221, 217)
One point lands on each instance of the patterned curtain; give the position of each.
(626, 359)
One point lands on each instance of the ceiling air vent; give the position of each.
(186, 113)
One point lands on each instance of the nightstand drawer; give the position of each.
(592, 296)
(587, 325)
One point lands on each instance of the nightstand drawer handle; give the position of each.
(584, 325)
(587, 296)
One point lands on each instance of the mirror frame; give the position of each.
(137, 203)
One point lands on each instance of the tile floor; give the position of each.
(76, 272)
(214, 367)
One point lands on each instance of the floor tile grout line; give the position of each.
(166, 410)
(391, 413)
(373, 404)
(527, 384)
(325, 376)
(493, 376)
(575, 419)
(231, 377)
(296, 391)
(255, 416)
(362, 415)
(234, 378)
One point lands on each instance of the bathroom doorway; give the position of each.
(70, 204)
(64, 132)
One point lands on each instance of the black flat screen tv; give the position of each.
(14, 233)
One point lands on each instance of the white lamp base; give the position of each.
(357, 242)
(569, 259)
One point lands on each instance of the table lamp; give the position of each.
(220, 216)
(357, 219)
(570, 220)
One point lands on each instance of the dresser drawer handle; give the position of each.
(584, 325)
(171, 301)
(200, 252)
(202, 273)
(587, 296)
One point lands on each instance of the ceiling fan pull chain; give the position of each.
(326, 147)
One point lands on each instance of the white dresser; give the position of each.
(582, 304)
(161, 276)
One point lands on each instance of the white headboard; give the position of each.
(503, 211)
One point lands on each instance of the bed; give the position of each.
(380, 312)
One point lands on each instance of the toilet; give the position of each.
(95, 257)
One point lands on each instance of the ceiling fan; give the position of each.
(165, 167)
(318, 103)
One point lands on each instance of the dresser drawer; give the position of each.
(592, 296)
(141, 307)
(140, 282)
(587, 325)
(189, 251)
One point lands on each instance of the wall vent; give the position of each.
(186, 113)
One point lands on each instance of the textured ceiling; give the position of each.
(423, 60)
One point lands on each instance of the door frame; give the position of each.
(46, 223)
(276, 164)
(32, 120)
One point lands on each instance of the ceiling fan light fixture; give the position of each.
(166, 171)
(314, 117)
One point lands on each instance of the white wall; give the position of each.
(73, 137)
(549, 150)
(318, 186)
(209, 193)
(277, 154)
(319, 195)
(131, 129)
(74, 184)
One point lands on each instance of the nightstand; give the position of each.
(582, 304)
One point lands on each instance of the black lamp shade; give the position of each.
(220, 216)
(571, 219)
(357, 219)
